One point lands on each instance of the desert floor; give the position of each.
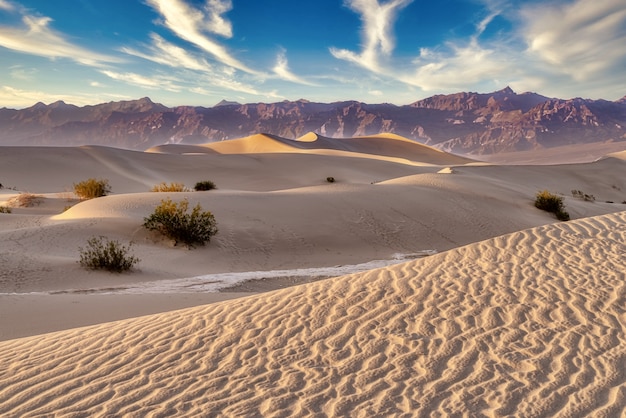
(418, 282)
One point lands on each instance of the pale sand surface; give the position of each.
(526, 324)
(282, 224)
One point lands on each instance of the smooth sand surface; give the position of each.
(527, 324)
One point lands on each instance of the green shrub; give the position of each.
(92, 188)
(5, 209)
(103, 254)
(171, 187)
(205, 185)
(173, 220)
(552, 203)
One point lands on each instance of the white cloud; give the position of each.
(166, 53)
(193, 25)
(37, 38)
(20, 73)
(459, 67)
(155, 82)
(281, 69)
(6, 5)
(582, 39)
(377, 34)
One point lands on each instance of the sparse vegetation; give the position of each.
(25, 200)
(330, 179)
(584, 196)
(104, 254)
(92, 188)
(175, 222)
(552, 203)
(205, 185)
(5, 209)
(169, 187)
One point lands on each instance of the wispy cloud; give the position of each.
(6, 5)
(583, 39)
(154, 82)
(166, 53)
(281, 69)
(20, 73)
(194, 26)
(35, 37)
(377, 32)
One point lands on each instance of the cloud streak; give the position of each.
(281, 69)
(35, 37)
(194, 25)
(166, 53)
(582, 39)
(377, 33)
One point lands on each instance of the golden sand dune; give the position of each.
(382, 145)
(526, 324)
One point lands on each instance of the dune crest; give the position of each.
(526, 324)
(392, 146)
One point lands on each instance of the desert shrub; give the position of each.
(5, 209)
(104, 254)
(552, 203)
(330, 179)
(25, 200)
(205, 185)
(169, 187)
(92, 188)
(175, 222)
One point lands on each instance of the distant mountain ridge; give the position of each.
(466, 122)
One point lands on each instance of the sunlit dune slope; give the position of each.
(382, 145)
(526, 324)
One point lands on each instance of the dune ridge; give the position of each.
(387, 146)
(526, 324)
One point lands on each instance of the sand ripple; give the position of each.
(527, 324)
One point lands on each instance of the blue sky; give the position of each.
(198, 52)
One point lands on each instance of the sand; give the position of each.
(485, 305)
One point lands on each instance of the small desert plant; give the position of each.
(552, 203)
(104, 254)
(92, 188)
(330, 179)
(173, 220)
(5, 209)
(205, 185)
(25, 200)
(171, 187)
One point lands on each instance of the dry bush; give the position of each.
(104, 254)
(5, 209)
(25, 200)
(173, 220)
(169, 187)
(205, 185)
(549, 202)
(92, 188)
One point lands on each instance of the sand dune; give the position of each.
(391, 146)
(275, 212)
(526, 324)
(494, 322)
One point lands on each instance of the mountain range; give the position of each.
(463, 123)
